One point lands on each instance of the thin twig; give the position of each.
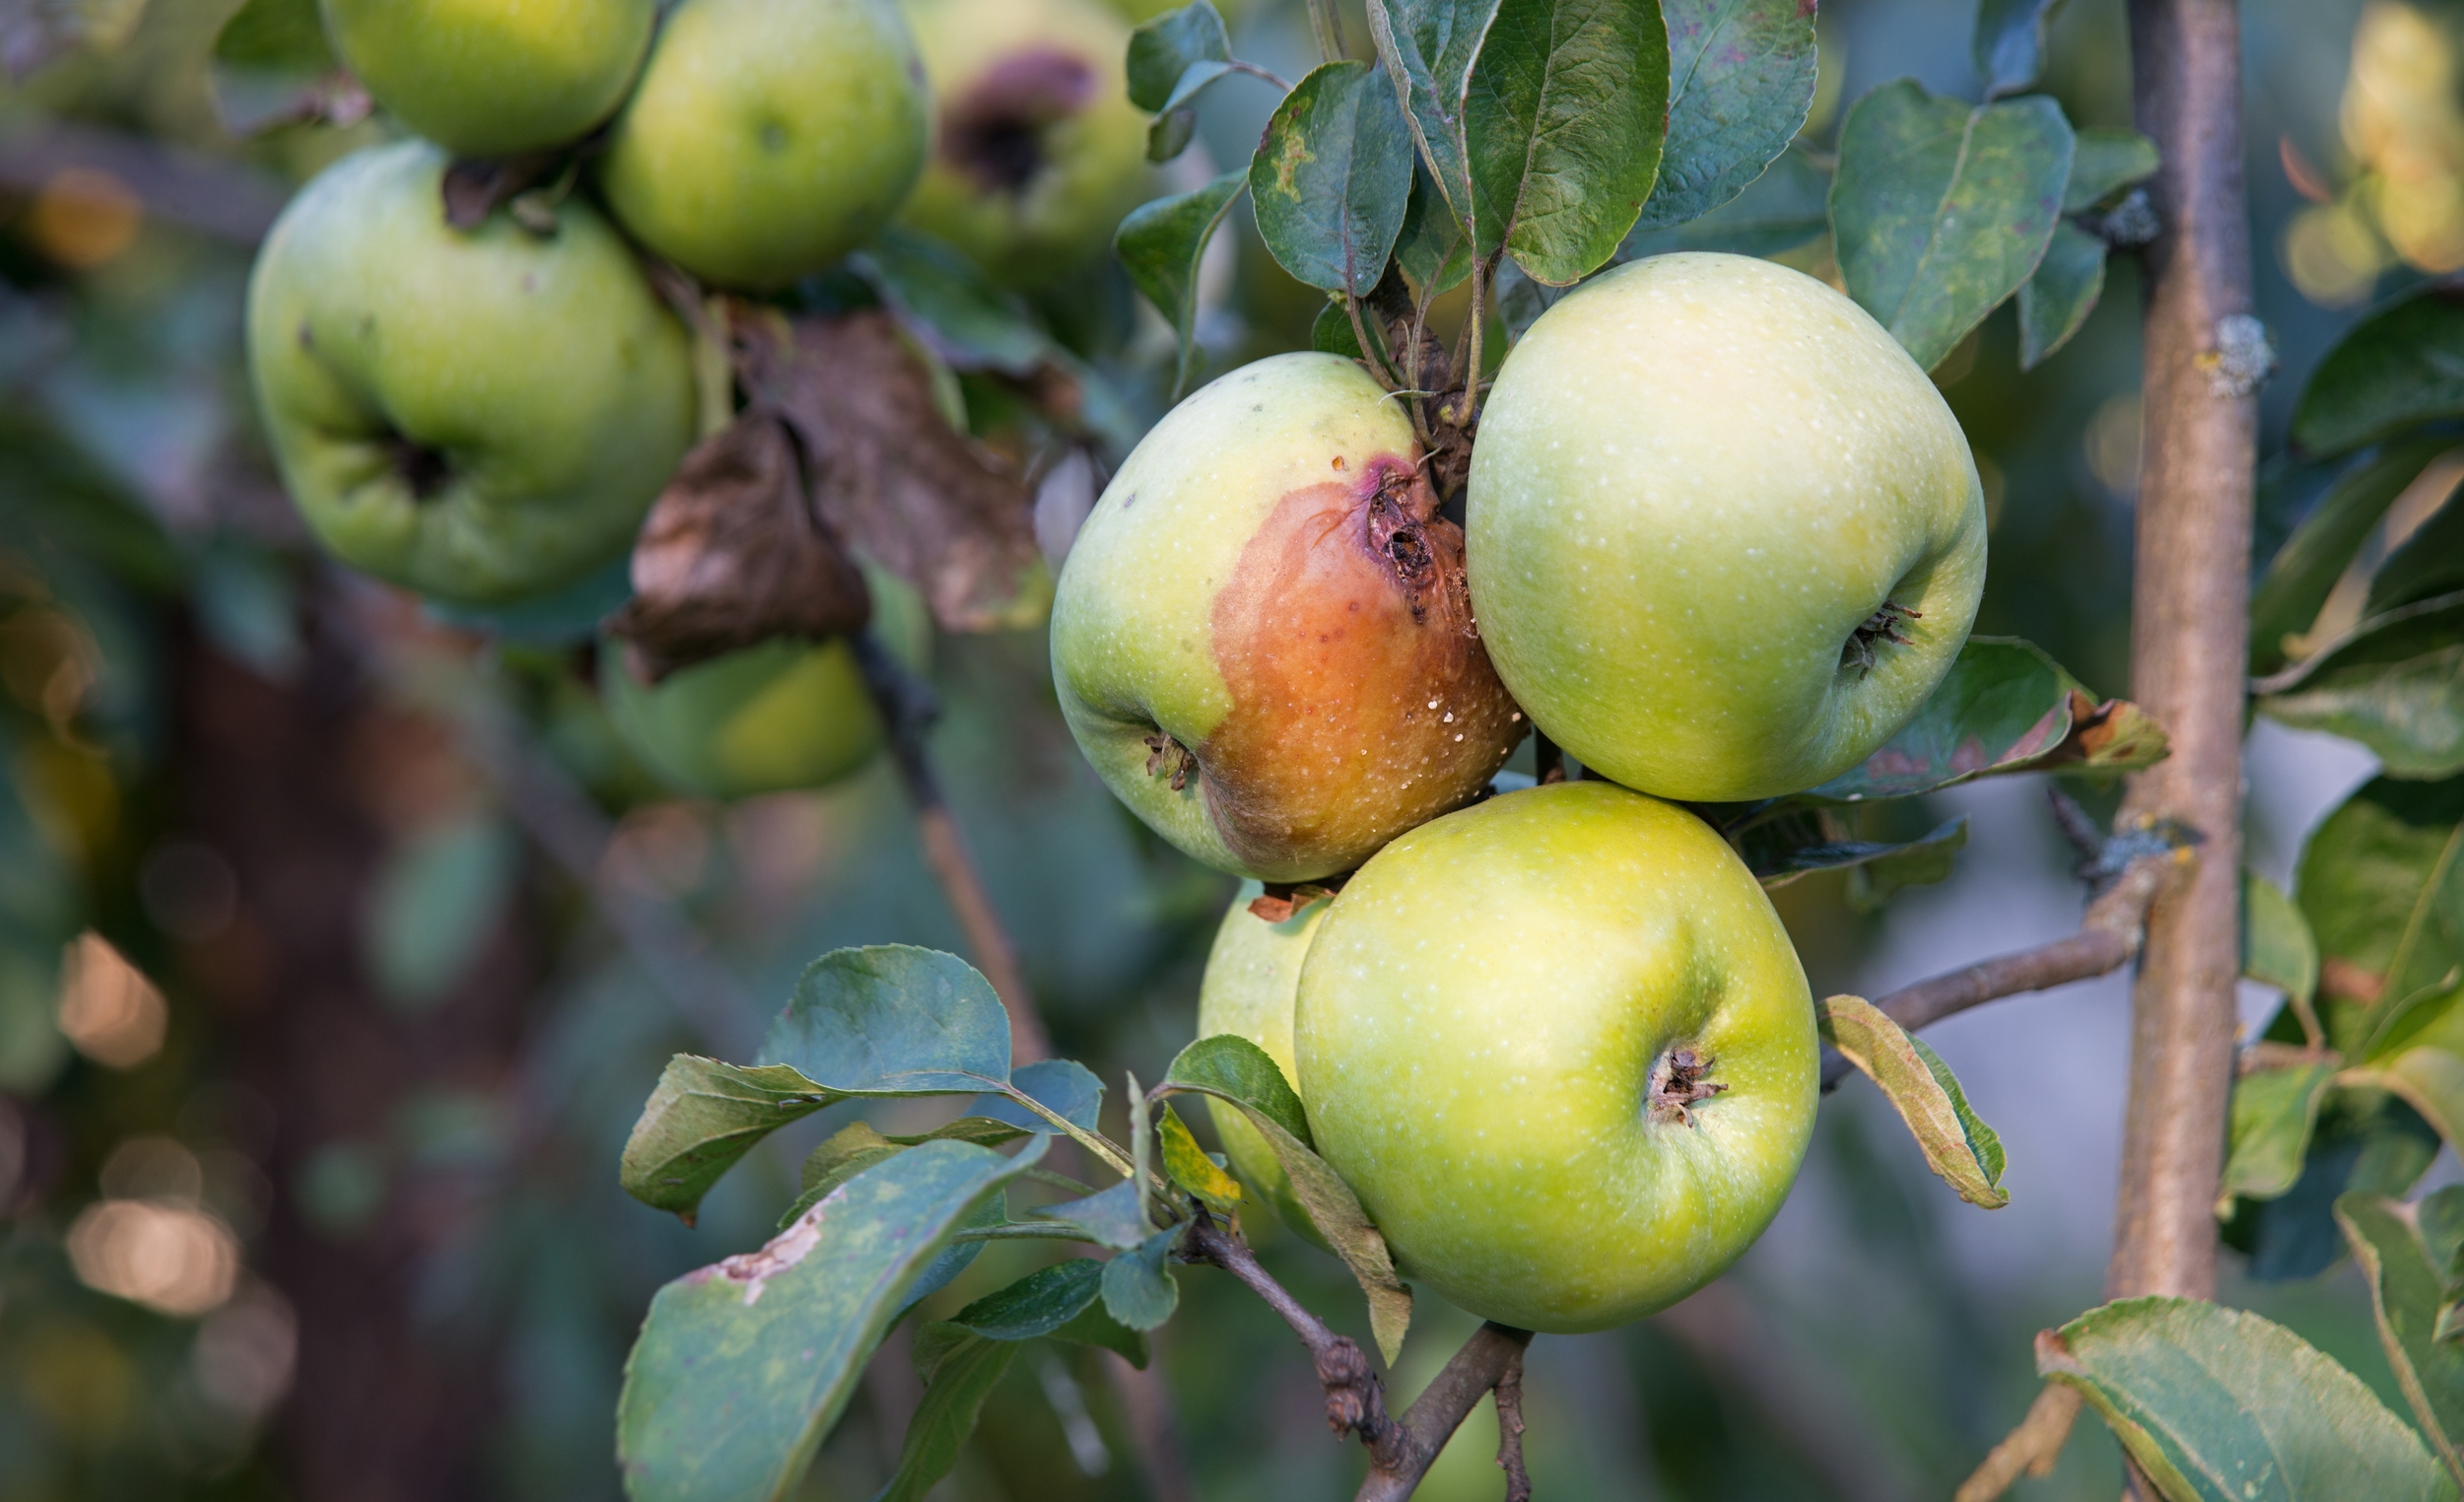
(1255, 71)
(2107, 938)
(1469, 410)
(2030, 1449)
(1356, 1402)
(1480, 1366)
(908, 709)
(1510, 1432)
(1370, 353)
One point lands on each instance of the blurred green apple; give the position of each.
(1260, 638)
(479, 416)
(1562, 1049)
(1040, 152)
(482, 77)
(1724, 535)
(1253, 974)
(768, 138)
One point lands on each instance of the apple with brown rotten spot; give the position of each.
(1260, 638)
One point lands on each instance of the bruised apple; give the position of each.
(1260, 638)
(1253, 974)
(1724, 535)
(1562, 1049)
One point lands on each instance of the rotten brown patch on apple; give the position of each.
(1363, 703)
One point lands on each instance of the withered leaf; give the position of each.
(735, 554)
(1282, 900)
(905, 489)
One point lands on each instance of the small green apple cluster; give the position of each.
(1723, 539)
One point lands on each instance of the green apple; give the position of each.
(1726, 537)
(479, 416)
(1261, 636)
(782, 714)
(1253, 974)
(1562, 1049)
(1040, 152)
(482, 77)
(768, 138)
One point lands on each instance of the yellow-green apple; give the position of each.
(482, 77)
(1561, 1047)
(477, 415)
(767, 139)
(1039, 152)
(1148, 10)
(1724, 535)
(1261, 636)
(1253, 974)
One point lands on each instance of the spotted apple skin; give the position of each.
(1492, 1022)
(1262, 639)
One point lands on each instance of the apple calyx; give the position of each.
(424, 469)
(1882, 626)
(1168, 758)
(1678, 1080)
(994, 132)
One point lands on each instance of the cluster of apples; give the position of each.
(485, 413)
(1723, 538)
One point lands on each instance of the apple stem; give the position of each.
(1327, 30)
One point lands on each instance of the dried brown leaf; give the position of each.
(1280, 900)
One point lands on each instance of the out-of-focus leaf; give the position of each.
(2277, 948)
(1161, 243)
(2395, 683)
(891, 1019)
(955, 1388)
(1164, 49)
(2431, 563)
(1566, 116)
(2366, 1141)
(1116, 1217)
(2104, 162)
(2287, 597)
(1940, 211)
(2055, 301)
(2407, 1291)
(2219, 1406)
(743, 1367)
(1520, 301)
(1428, 48)
(1958, 1145)
(2394, 370)
(2439, 1219)
(2382, 885)
(1237, 1071)
(1187, 1165)
(1781, 210)
(1784, 849)
(1332, 177)
(271, 67)
(1740, 82)
(2003, 706)
(565, 619)
(1138, 1287)
(2274, 1113)
(439, 895)
(2010, 43)
(946, 300)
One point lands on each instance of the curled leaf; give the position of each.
(1958, 1146)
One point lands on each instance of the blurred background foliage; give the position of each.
(338, 948)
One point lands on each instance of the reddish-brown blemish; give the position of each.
(1362, 701)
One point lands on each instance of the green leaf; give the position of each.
(1116, 1217)
(700, 1118)
(2277, 949)
(961, 1379)
(947, 302)
(1161, 244)
(1740, 84)
(1430, 250)
(1940, 211)
(891, 1019)
(2219, 1405)
(1237, 1071)
(2366, 1141)
(2055, 301)
(1784, 849)
(743, 1367)
(439, 897)
(1169, 135)
(271, 66)
(2105, 162)
(1331, 177)
(2010, 43)
(1786, 207)
(2003, 706)
(2439, 1217)
(1063, 1086)
(1428, 48)
(2382, 885)
(2408, 1288)
(849, 1152)
(2274, 1113)
(1567, 113)
(1164, 49)
(2288, 596)
(1138, 1289)
(2431, 563)
(1059, 1301)
(1958, 1146)
(1187, 1165)
(2395, 683)
(2398, 367)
